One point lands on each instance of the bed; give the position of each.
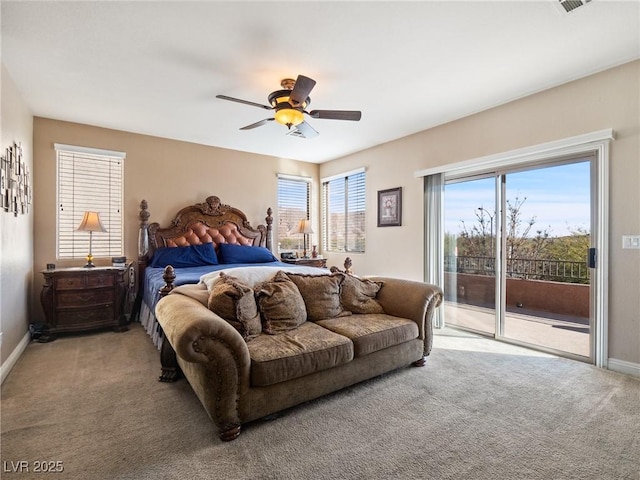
(182, 252)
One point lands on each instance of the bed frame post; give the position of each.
(143, 232)
(169, 276)
(170, 370)
(269, 221)
(347, 267)
(143, 256)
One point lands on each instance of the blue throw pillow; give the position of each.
(191, 256)
(231, 253)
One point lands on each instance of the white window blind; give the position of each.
(89, 180)
(293, 205)
(343, 212)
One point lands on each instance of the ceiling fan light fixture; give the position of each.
(286, 113)
(290, 105)
(288, 116)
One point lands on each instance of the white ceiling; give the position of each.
(155, 67)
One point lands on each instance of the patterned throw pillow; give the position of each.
(359, 295)
(235, 302)
(280, 304)
(321, 294)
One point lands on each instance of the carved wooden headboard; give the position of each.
(209, 221)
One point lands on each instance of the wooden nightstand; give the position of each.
(81, 299)
(310, 262)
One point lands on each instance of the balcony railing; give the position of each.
(529, 269)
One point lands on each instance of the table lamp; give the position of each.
(304, 227)
(91, 223)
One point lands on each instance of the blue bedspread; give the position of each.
(153, 281)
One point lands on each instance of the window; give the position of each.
(89, 180)
(343, 212)
(293, 205)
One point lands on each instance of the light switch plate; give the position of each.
(631, 241)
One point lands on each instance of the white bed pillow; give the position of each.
(251, 276)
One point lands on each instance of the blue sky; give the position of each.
(557, 196)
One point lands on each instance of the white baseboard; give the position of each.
(623, 366)
(6, 367)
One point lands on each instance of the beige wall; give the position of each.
(16, 233)
(608, 99)
(171, 174)
(168, 174)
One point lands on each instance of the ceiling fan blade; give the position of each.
(306, 130)
(353, 115)
(301, 90)
(246, 102)
(257, 124)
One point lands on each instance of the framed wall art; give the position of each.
(390, 207)
(15, 182)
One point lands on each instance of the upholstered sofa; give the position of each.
(347, 330)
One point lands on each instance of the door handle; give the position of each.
(593, 257)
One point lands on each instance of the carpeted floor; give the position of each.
(479, 410)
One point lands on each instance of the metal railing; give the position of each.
(526, 268)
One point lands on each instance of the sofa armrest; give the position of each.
(412, 300)
(195, 332)
(214, 356)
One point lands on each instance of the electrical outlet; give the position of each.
(631, 241)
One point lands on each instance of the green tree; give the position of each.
(478, 239)
(520, 243)
(572, 251)
(573, 247)
(554, 258)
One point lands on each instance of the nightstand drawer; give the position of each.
(85, 297)
(100, 280)
(86, 318)
(74, 282)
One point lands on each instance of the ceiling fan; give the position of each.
(290, 104)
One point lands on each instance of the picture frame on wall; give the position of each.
(390, 207)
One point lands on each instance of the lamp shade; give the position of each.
(91, 223)
(303, 227)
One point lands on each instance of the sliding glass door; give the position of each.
(516, 245)
(469, 254)
(547, 235)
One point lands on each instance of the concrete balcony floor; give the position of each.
(559, 332)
